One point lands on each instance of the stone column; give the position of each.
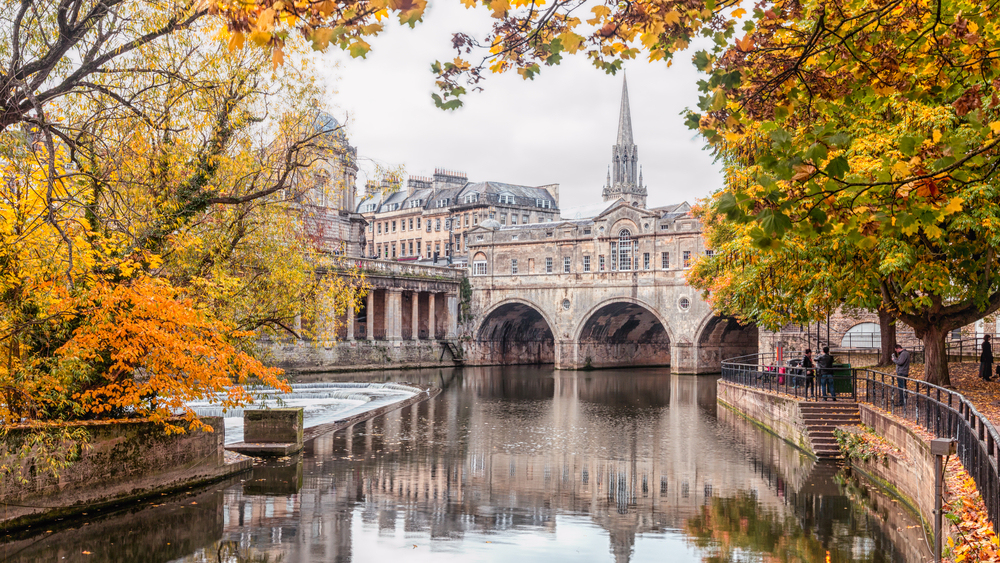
(370, 315)
(415, 318)
(394, 314)
(451, 324)
(431, 325)
(298, 325)
(351, 317)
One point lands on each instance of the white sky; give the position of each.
(558, 128)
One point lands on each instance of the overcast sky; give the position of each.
(558, 128)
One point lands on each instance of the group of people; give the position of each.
(824, 364)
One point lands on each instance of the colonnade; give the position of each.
(398, 314)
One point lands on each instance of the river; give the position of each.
(515, 464)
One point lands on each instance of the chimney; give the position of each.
(553, 190)
(449, 179)
(414, 183)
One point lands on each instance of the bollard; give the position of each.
(940, 447)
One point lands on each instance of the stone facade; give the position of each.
(601, 289)
(430, 220)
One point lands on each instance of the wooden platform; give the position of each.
(821, 417)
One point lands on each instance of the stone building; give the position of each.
(430, 219)
(326, 203)
(604, 286)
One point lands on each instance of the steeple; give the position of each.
(625, 118)
(622, 182)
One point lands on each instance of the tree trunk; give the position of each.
(935, 357)
(887, 330)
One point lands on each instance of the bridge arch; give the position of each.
(720, 338)
(622, 332)
(515, 331)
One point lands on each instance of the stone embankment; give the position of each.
(808, 425)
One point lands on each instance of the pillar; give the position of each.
(451, 322)
(431, 323)
(351, 317)
(415, 318)
(370, 315)
(394, 314)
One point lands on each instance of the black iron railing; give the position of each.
(406, 333)
(943, 412)
(378, 334)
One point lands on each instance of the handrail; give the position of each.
(943, 412)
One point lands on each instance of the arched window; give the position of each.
(624, 250)
(864, 335)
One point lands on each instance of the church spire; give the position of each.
(625, 117)
(623, 182)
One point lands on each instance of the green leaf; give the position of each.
(838, 167)
(907, 145)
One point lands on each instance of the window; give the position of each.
(864, 335)
(418, 248)
(393, 250)
(525, 219)
(513, 266)
(475, 218)
(624, 251)
(513, 218)
(466, 219)
(586, 263)
(371, 226)
(503, 219)
(458, 243)
(548, 234)
(402, 224)
(437, 247)
(479, 268)
(543, 203)
(710, 253)
(566, 264)
(437, 224)
(394, 226)
(380, 228)
(378, 251)
(447, 224)
(665, 260)
(645, 260)
(418, 223)
(411, 224)
(586, 231)
(472, 198)
(664, 226)
(444, 202)
(513, 237)
(548, 265)
(686, 256)
(411, 248)
(428, 226)
(600, 262)
(506, 199)
(416, 203)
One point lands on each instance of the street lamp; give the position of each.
(940, 447)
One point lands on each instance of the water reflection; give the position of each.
(515, 463)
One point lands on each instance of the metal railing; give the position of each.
(406, 333)
(378, 334)
(943, 412)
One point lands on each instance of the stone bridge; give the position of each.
(604, 292)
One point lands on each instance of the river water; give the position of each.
(515, 464)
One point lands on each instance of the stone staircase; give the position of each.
(821, 418)
(456, 352)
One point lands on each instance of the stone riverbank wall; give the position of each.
(122, 462)
(908, 475)
(310, 357)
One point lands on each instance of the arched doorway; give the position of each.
(515, 333)
(622, 334)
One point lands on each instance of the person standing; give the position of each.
(986, 360)
(809, 373)
(901, 358)
(825, 364)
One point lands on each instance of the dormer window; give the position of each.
(543, 203)
(445, 202)
(416, 203)
(472, 198)
(506, 199)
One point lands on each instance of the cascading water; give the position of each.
(321, 402)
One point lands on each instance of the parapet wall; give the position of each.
(305, 357)
(124, 461)
(779, 415)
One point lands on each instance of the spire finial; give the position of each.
(625, 117)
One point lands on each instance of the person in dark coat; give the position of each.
(825, 365)
(901, 358)
(986, 360)
(809, 373)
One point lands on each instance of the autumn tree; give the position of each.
(146, 213)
